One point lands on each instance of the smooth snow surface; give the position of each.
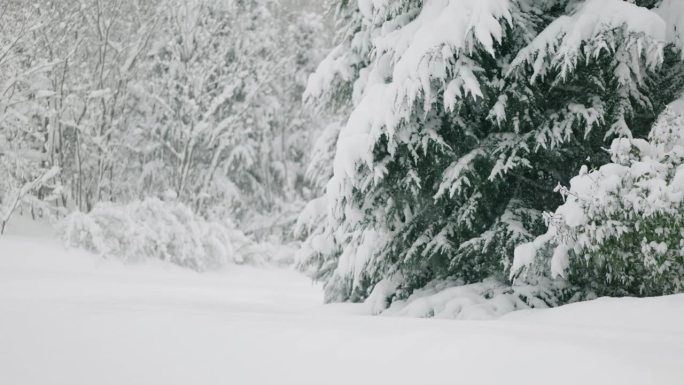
(71, 318)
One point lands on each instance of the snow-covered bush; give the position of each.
(153, 228)
(621, 229)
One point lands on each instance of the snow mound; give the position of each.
(450, 299)
(662, 313)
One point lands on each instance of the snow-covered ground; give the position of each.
(71, 318)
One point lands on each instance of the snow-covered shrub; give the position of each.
(153, 228)
(621, 229)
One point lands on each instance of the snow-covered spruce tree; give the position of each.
(620, 230)
(466, 114)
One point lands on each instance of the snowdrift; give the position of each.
(70, 318)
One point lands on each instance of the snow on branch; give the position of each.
(590, 31)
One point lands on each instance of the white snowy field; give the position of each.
(71, 318)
